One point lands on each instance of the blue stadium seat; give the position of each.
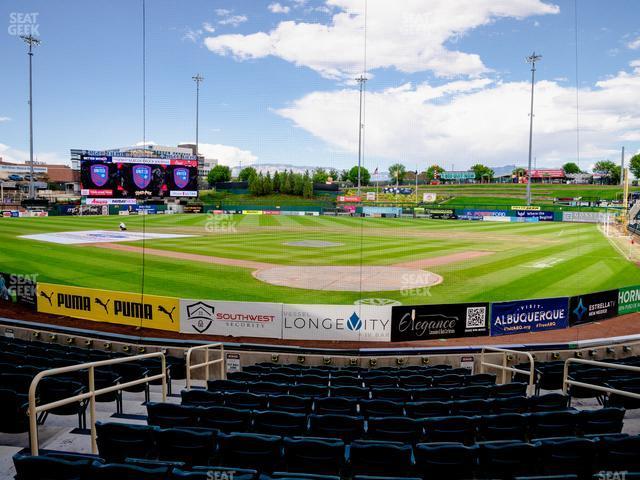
(172, 415)
(567, 456)
(415, 381)
(603, 420)
(450, 429)
(392, 394)
(628, 385)
(250, 450)
(117, 441)
(245, 401)
(307, 379)
(514, 389)
(268, 388)
(14, 407)
(122, 471)
(620, 453)
(44, 467)
(519, 404)
(243, 376)
(394, 429)
(279, 423)
(202, 397)
(344, 427)
(472, 392)
(304, 390)
(380, 408)
(324, 456)
(225, 419)
(189, 446)
(426, 409)
(481, 379)
(448, 380)
(299, 476)
(381, 381)
(508, 459)
(290, 403)
(336, 405)
(275, 378)
(551, 402)
(214, 473)
(446, 460)
(345, 381)
(379, 458)
(226, 386)
(471, 407)
(506, 426)
(350, 392)
(431, 394)
(553, 424)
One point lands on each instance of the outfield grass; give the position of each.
(529, 260)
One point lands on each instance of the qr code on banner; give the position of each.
(476, 317)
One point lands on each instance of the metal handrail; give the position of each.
(206, 362)
(504, 367)
(566, 381)
(91, 394)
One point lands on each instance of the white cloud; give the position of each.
(14, 155)
(208, 27)
(634, 44)
(194, 34)
(233, 20)
(226, 154)
(222, 12)
(5, 119)
(408, 35)
(481, 120)
(278, 8)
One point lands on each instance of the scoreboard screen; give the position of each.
(134, 177)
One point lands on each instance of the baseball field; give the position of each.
(304, 259)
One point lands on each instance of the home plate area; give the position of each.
(98, 236)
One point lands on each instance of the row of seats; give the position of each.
(376, 407)
(267, 367)
(458, 428)
(389, 393)
(431, 462)
(267, 453)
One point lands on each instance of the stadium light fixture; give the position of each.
(361, 80)
(532, 59)
(198, 79)
(32, 42)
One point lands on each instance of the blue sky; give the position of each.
(448, 81)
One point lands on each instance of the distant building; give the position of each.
(548, 175)
(61, 177)
(204, 164)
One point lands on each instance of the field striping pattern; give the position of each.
(568, 258)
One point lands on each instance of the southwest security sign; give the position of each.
(529, 316)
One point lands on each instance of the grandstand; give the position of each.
(291, 413)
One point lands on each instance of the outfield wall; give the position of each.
(364, 323)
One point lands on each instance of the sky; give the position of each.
(447, 84)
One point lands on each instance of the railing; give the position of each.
(91, 394)
(504, 367)
(566, 381)
(206, 362)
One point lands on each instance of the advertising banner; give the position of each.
(530, 208)
(584, 217)
(540, 215)
(440, 213)
(429, 197)
(593, 307)
(349, 199)
(425, 322)
(529, 316)
(336, 322)
(628, 300)
(472, 214)
(148, 311)
(237, 319)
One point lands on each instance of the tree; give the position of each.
(307, 189)
(634, 165)
(246, 173)
(219, 173)
(276, 182)
(334, 174)
(482, 172)
(320, 175)
(571, 168)
(610, 169)
(287, 185)
(433, 171)
(298, 183)
(267, 186)
(398, 172)
(365, 176)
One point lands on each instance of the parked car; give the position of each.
(15, 178)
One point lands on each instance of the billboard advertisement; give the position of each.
(628, 300)
(336, 322)
(425, 322)
(238, 319)
(133, 177)
(148, 311)
(593, 307)
(525, 316)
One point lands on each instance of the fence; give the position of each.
(206, 362)
(566, 381)
(504, 367)
(91, 394)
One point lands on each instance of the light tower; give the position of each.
(361, 80)
(532, 59)
(32, 42)
(198, 79)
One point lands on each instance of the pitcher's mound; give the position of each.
(313, 244)
(350, 279)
